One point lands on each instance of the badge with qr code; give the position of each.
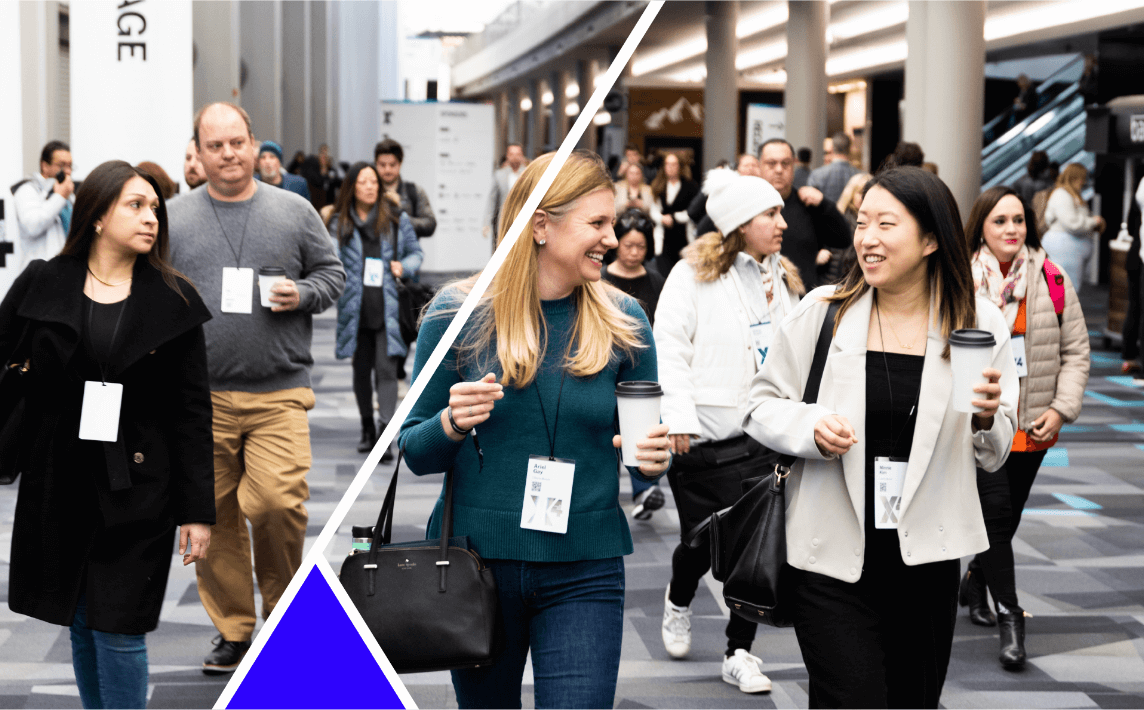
(547, 494)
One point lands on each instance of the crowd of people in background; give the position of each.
(713, 285)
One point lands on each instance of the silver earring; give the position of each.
(542, 242)
(98, 230)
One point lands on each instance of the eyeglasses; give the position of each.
(637, 221)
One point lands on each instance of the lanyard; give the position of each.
(242, 239)
(890, 385)
(104, 368)
(556, 421)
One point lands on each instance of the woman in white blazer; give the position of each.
(713, 325)
(873, 585)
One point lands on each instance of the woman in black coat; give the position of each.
(97, 510)
(674, 190)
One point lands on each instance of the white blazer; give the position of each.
(940, 511)
(705, 353)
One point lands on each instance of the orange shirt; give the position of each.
(1022, 442)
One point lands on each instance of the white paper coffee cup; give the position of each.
(970, 352)
(638, 405)
(267, 277)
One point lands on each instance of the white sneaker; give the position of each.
(647, 502)
(676, 627)
(742, 670)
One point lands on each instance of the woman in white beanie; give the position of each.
(713, 326)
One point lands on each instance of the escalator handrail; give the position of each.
(1048, 82)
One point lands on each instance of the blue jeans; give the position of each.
(1070, 252)
(571, 614)
(110, 669)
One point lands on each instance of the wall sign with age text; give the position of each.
(132, 23)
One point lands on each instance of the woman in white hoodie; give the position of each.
(713, 325)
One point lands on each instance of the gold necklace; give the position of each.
(912, 342)
(104, 282)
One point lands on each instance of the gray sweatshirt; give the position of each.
(260, 351)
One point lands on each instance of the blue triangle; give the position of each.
(315, 659)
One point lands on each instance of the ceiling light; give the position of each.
(770, 52)
(1045, 15)
(602, 119)
(870, 21)
(546, 98)
(572, 109)
(572, 90)
(526, 104)
(866, 57)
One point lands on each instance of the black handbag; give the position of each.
(13, 388)
(431, 604)
(748, 540)
(710, 476)
(412, 297)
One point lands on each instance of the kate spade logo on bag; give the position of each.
(406, 565)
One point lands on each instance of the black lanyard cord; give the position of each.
(242, 239)
(556, 420)
(890, 386)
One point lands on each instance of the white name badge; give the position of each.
(1017, 345)
(237, 290)
(99, 417)
(889, 479)
(761, 336)
(373, 272)
(547, 494)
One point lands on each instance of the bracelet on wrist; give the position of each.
(456, 427)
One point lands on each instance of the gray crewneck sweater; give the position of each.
(261, 351)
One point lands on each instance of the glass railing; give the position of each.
(1059, 130)
(1048, 90)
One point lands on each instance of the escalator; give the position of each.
(1056, 126)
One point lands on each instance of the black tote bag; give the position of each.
(431, 604)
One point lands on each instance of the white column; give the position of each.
(261, 53)
(297, 83)
(535, 119)
(721, 90)
(359, 103)
(805, 97)
(216, 48)
(913, 125)
(12, 150)
(951, 62)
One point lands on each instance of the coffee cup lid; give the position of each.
(972, 338)
(271, 271)
(639, 388)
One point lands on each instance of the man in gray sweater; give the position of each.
(259, 364)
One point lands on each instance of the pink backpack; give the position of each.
(1056, 282)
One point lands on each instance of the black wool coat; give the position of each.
(93, 517)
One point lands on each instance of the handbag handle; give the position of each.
(814, 379)
(383, 530)
(15, 352)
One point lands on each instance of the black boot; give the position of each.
(387, 456)
(368, 437)
(974, 595)
(1011, 624)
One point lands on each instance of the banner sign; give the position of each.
(131, 83)
(448, 152)
(764, 122)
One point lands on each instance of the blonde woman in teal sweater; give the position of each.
(536, 369)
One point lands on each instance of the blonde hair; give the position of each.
(509, 313)
(1070, 174)
(712, 255)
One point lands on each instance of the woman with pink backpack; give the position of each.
(1051, 352)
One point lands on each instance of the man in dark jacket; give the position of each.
(813, 222)
(407, 197)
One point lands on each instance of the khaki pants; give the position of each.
(261, 456)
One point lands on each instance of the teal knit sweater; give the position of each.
(487, 499)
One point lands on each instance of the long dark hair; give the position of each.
(931, 203)
(986, 201)
(347, 202)
(96, 196)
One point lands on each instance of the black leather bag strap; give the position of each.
(817, 365)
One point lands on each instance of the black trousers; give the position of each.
(1003, 496)
(881, 642)
(687, 568)
(1133, 319)
(372, 366)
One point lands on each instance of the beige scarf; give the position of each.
(1007, 291)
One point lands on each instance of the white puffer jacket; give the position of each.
(705, 352)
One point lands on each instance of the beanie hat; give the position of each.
(734, 199)
(271, 147)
